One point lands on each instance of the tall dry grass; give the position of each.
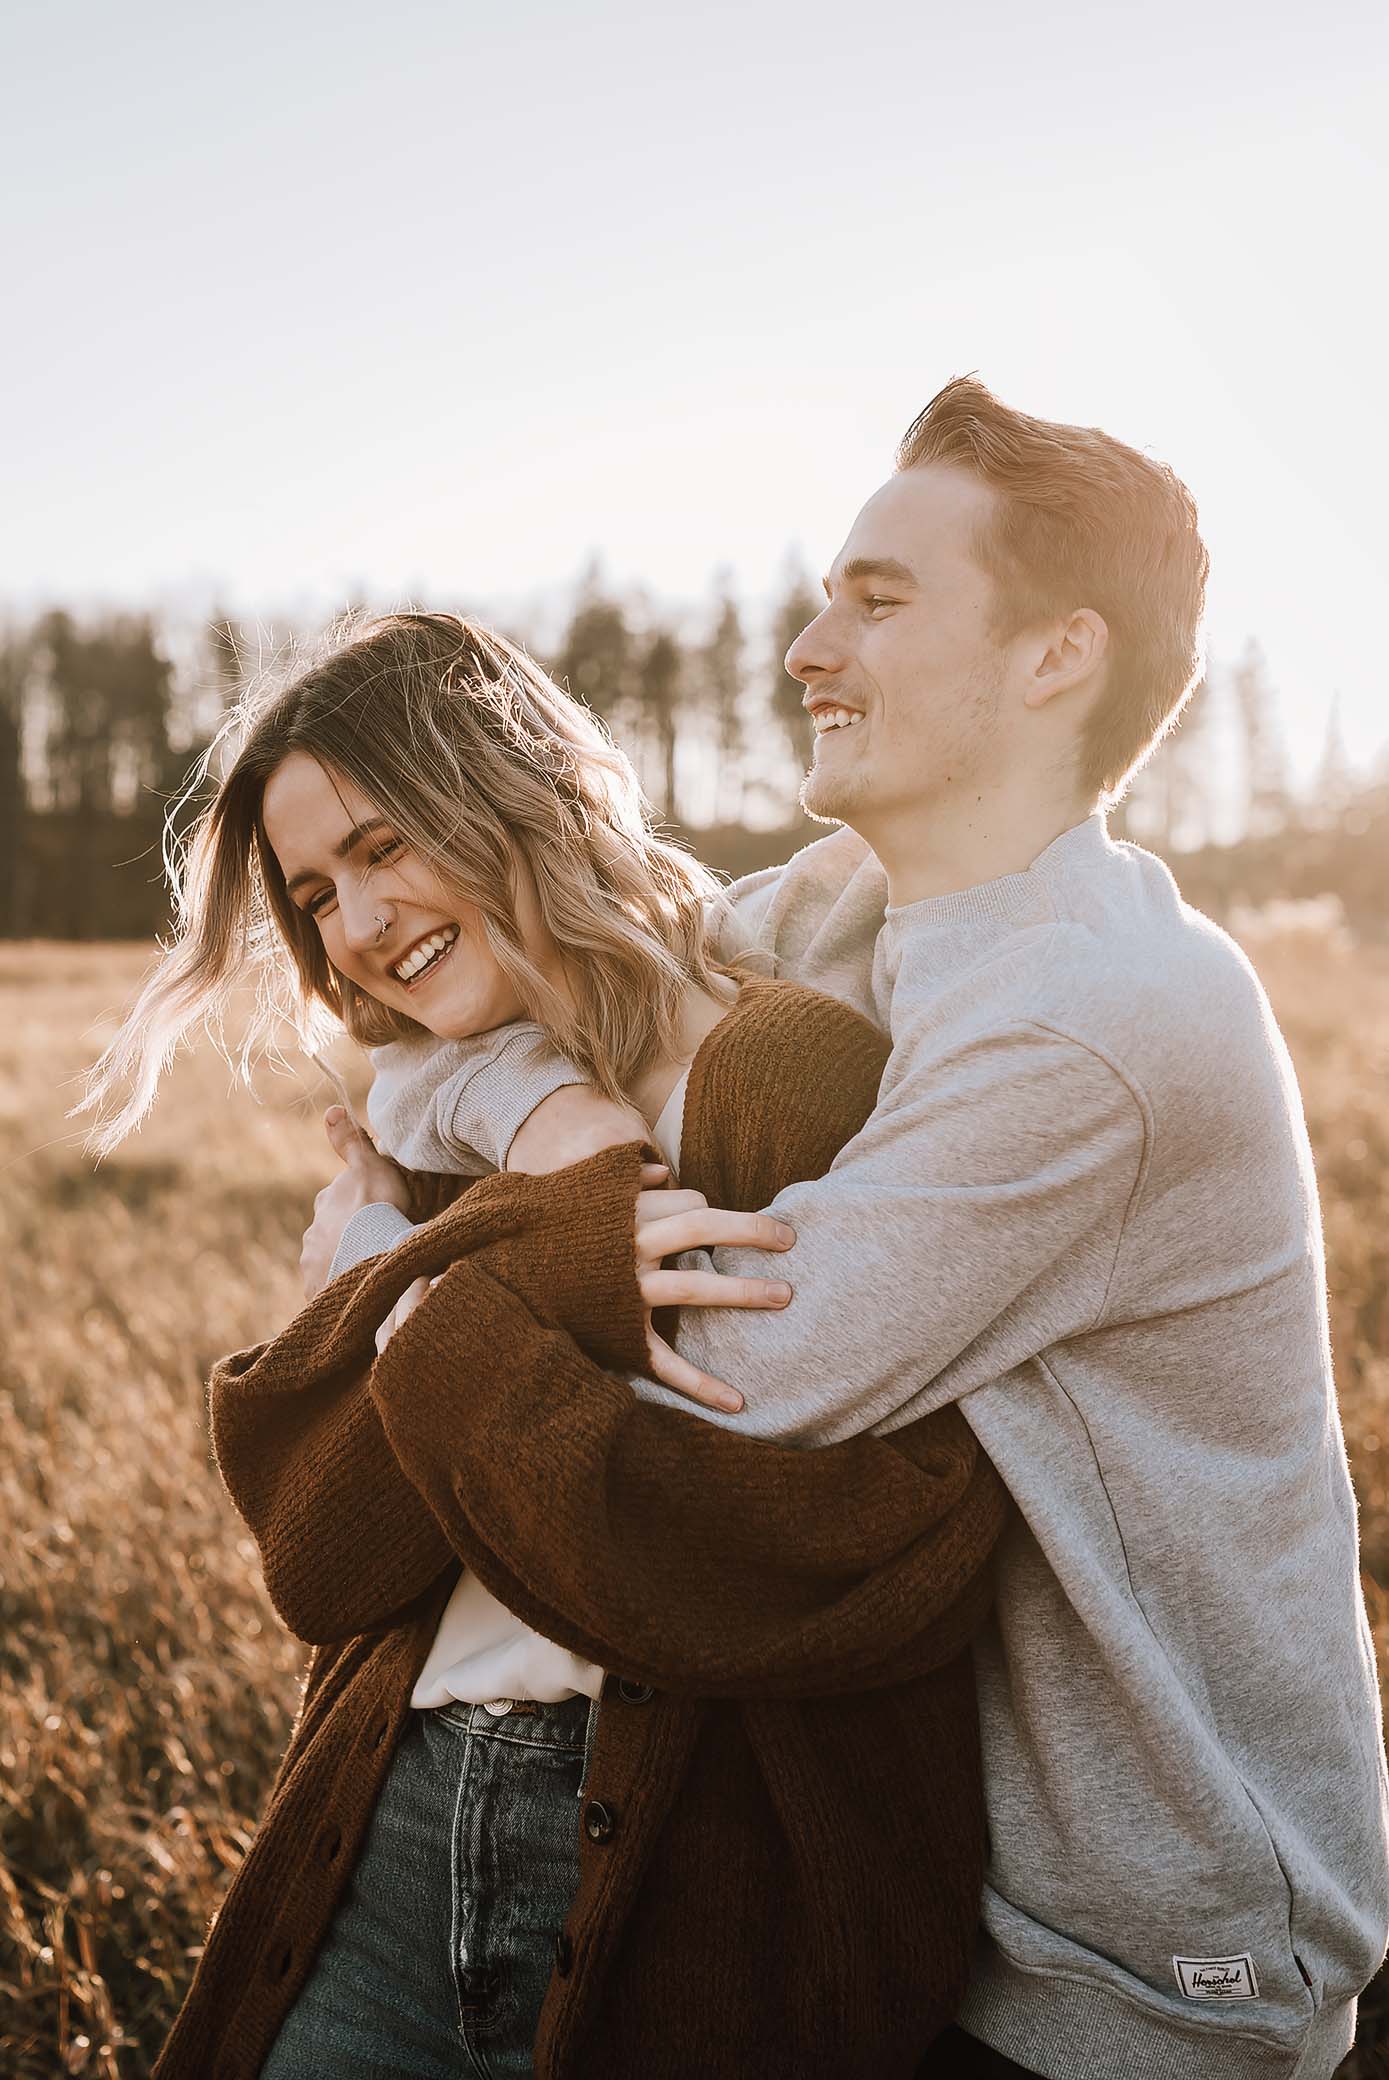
(147, 1686)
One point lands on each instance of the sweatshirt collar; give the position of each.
(1013, 897)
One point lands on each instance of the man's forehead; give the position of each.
(916, 518)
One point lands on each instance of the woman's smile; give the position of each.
(423, 959)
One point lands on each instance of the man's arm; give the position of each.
(974, 1221)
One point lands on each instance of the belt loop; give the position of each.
(590, 1735)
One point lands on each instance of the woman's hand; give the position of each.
(367, 1179)
(670, 1222)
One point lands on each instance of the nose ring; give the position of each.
(380, 929)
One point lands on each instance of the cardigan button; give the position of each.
(564, 1954)
(600, 1821)
(634, 1693)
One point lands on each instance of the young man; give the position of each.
(1085, 1209)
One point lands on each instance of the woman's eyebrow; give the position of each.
(341, 850)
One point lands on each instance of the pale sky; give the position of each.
(310, 300)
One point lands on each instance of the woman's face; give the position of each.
(345, 868)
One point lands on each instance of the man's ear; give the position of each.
(1075, 650)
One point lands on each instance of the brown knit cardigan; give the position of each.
(781, 1853)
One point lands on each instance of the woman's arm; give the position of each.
(641, 1536)
(678, 1553)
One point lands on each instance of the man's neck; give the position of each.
(942, 848)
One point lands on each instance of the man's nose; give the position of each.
(814, 653)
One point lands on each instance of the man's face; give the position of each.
(905, 646)
(347, 872)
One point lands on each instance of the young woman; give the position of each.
(763, 1853)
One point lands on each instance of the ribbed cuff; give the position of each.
(371, 1230)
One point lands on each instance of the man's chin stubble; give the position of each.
(829, 801)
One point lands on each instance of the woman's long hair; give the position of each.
(485, 769)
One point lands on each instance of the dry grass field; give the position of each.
(147, 1686)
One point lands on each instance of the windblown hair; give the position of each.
(485, 769)
(1083, 521)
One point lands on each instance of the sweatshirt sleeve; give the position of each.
(459, 1106)
(371, 1229)
(974, 1221)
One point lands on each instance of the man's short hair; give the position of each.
(1083, 521)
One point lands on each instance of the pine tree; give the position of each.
(658, 681)
(1169, 803)
(597, 656)
(1268, 802)
(795, 610)
(720, 670)
(15, 664)
(1334, 789)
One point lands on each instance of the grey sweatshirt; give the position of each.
(1084, 1208)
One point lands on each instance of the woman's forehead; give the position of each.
(308, 808)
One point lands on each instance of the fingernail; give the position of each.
(334, 1114)
(785, 1234)
(780, 1290)
(731, 1401)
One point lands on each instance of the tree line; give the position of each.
(102, 718)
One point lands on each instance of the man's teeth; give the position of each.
(834, 718)
(421, 956)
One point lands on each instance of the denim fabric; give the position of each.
(441, 1949)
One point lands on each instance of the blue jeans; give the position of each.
(441, 1949)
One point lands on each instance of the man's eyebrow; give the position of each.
(875, 567)
(341, 849)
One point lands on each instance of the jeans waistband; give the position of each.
(535, 1725)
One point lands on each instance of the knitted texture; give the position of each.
(790, 1886)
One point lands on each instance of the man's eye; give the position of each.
(876, 600)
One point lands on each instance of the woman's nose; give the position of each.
(359, 925)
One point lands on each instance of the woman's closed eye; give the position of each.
(385, 849)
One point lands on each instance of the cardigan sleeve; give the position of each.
(643, 1537)
(347, 1541)
(669, 1549)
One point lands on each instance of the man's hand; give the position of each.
(670, 1222)
(570, 1125)
(367, 1179)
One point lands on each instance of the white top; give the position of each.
(482, 1653)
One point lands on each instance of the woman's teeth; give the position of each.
(835, 718)
(425, 954)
